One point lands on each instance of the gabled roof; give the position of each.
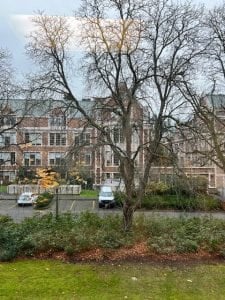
(41, 108)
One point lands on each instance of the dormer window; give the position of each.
(57, 118)
(9, 121)
(59, 121)
(7, 116)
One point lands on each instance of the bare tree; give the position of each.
(6, 85)
(136, 53)
(215, 41)
(205, 128)
(204, 131)
(7, 116)
(13, 110)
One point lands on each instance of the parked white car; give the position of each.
(106, 197)
(27, 198)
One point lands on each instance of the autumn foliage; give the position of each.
(47, 178)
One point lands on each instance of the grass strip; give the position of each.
(35, 279)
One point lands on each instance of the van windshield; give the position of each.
(106, 194)
(24, 197)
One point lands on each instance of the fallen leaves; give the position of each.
(134, 278)
(138, 253)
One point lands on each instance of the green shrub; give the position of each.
(189, 186)
(119, 198)
(27, 245)
(43, 200)
(181, 202)
(6, 219)
(167, 235)
(9, 245)
(186, 245)
(69, 249)
(89, 220)
(180, 192)
(110, 234)
(157, 188)
(208, 202)
(73, 233)
(199, 184)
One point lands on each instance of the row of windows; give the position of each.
(59, 122)
(54, 121)
(58, 138)
(34, 158)
(54, 159)
(55, 139)
(118, 137)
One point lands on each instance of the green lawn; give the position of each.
(3, 188)
(88, 194)
(36, 279)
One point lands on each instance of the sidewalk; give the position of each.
(184, 214)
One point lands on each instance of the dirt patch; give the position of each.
(137, 253)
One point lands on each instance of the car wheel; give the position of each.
(100, 205)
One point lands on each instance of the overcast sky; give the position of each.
(13, 16)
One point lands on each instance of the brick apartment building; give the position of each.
(45, 134)
(194, 151)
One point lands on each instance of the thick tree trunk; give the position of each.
(128, 212)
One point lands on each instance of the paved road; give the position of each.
(10, 208)
(18, 213)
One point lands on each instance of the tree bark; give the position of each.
(128, 212)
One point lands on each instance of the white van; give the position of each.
(106, 197)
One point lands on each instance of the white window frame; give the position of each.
(6, 158)
(10, 135)
(37, 159)
(82, 138)
(54, 156)
(57, 121)
(59, 139)
(89, 160)
(35, 138)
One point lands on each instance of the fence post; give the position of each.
(57, 203)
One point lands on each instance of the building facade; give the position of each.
(37, 134)
(48, 134)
